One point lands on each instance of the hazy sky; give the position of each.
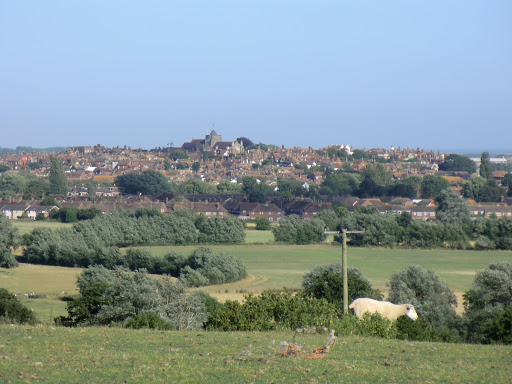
(428, 74)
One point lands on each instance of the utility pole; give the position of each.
(344, 266)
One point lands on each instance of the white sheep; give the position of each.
(384, 308)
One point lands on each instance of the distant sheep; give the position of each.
(384, 308)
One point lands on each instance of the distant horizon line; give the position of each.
(466, 151)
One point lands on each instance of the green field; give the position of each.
(26, 226)
(112, 355)
(260, 237)
(277, 266)
(269, 267)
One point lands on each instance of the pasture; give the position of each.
(113, 355)
(27, 226)
(269, 266)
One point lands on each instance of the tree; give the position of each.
(407, 187)
(451, 208)
(293, 230)
(488, 300)
(507, 182)
(485, 166)
(125, 297)
(9, 236)
(326, 281)
(255, 190)
(228, 187)
(57, 177)
(221, 230)
(197, 187)
(289, 187)
(262, 223)
(196, 166)
(149, 182)
(456, 162)
(374, 181)
(13, 311)
(177, 154)
(431, 297)
(340, 184)
(432, 185)
(481, 189)
(4, 168)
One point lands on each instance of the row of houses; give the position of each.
(223, 205)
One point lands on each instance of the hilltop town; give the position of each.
(91, 172)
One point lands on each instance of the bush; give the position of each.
(262, 223)
(203, 267)
(272, 310)
(499, 330)
(326, 282)
(487, 304)
(431, 297)
(148, 320)
(132, 299)
(13, 311)
(419, 330)
(370, 325)
(7, 260)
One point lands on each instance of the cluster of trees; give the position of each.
(152, 182)
(202, 267)
(293, 230)
(97, 241)
(377, 181)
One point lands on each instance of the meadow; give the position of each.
(113, 355)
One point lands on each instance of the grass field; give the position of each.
(269, 266)
(112, 355)
(26, 226)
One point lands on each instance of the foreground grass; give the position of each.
(111, 355)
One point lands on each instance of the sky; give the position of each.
(370, 74)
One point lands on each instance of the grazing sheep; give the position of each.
(384, 308)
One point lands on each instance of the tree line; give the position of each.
(97, 241)
(453, 228)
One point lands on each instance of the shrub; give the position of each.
(326, 282)
(206, 268)
(13, 311)
(132, 299)
(272, 310)
(262, 223)
(149, 320)
(371, 325)
(499, 330)
(486, 303)
(7, 260)
(431, 297)
(419, 330)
